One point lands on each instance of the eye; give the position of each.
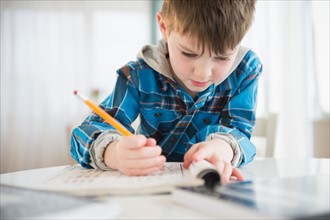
(189, 55)
(222, 58)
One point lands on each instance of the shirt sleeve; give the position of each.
(122, 104)
(98, 147)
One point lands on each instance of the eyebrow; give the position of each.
(218, 55)
(225, 55)
(186, 48)
(230, 53)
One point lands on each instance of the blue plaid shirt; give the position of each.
(171, 116)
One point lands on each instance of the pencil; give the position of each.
(103, 114)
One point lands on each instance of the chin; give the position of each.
(198, 89)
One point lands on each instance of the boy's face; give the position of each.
(194, 70)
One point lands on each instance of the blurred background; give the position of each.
(51, 48)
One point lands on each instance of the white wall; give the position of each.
(292, 40)
(49, 49)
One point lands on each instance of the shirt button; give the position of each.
(173, 139)
(158, 114)
(207, 121)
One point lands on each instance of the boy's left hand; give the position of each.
(219, 153)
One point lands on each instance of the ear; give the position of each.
(162, 25)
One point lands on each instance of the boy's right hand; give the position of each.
(134, 155)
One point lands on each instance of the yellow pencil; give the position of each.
(103, 114)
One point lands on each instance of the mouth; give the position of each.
(199, 84)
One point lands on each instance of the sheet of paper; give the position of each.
(79, 180)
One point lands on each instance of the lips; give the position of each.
(199, 84)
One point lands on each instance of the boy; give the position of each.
(195, 93)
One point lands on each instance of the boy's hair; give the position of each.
(217, 24)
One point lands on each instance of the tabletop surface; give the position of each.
(162, 206)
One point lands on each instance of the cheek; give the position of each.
(180, 66)
(221, 72)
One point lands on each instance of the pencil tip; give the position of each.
(75, 92)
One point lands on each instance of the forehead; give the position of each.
(192, 44)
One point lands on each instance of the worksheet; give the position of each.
(78, 180)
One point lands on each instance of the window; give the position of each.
(320, 15)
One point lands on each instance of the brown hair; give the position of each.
(217, 24)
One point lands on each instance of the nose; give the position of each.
(203, 72)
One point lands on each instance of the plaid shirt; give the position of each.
(171, 116)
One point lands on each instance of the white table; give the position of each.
(162, 206)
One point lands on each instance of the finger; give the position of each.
(219, 165)
(190, 152)
(187, 159)
(238, 174)
(133, 142)
(142, 172)
(144, 152)
(146, 163)
(151, 142)
(227, 171)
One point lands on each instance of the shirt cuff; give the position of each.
(98, 147)
(230, 139)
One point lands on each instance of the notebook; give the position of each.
(77, 180)
(278, 198)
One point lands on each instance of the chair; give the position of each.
(264, 135)
(321, 130)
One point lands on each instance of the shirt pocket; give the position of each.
(204, 119)
(204, 122)
(161, 120)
